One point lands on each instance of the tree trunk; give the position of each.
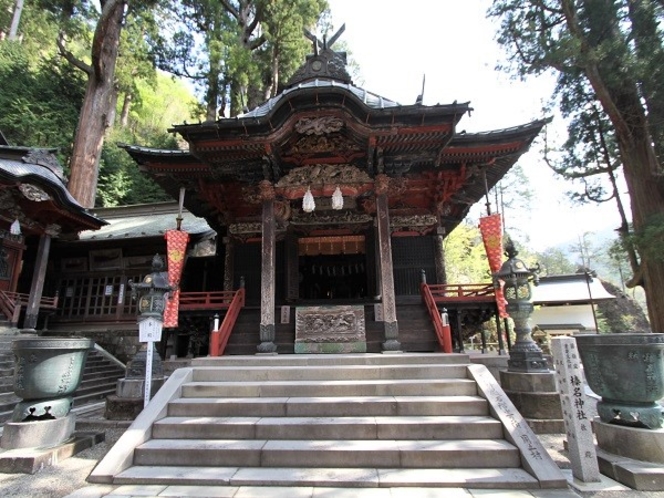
(618, 93)
(16, 19)
(126, 107)
(96, 112)
(646, 201)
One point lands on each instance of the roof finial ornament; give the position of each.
(314, 39)
(324, 63)
(420, 97)
(324, 45)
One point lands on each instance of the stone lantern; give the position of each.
(525, 354)
(151, 294)
(135, 389)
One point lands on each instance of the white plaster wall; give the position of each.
(559, 315)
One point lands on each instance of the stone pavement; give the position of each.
(554, 443)
(68, 479)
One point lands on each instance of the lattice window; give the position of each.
(411, 255)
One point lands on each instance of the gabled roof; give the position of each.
(569, 289)
(32, 179)
(145, 220)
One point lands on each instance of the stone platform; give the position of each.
(631, 456)
(31, 460)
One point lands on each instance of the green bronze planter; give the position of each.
(47, 372)
(627, 371)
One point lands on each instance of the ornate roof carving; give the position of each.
(324, 174)
(324, 63)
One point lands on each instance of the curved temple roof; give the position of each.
(322, 129)
(38, 192)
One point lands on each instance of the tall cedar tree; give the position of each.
(594, 38)
(98, 109)
(235, 51)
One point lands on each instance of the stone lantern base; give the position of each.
(536, 397)
(129, 397)
(527, 362)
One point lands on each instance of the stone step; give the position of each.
(329, 373)
(333, 360)
(110, 376)
(383, 387)
(366, 420)
(285, 481)
(403, 427)
(345, 406)
(460, 453)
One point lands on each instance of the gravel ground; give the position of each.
(63, 478)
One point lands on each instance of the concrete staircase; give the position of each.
(372, 420)
(100, 377)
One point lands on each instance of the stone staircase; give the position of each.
(365, 420)
(100, 377)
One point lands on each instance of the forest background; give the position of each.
(204, 59)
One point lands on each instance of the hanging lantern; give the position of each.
(15, 228)
(308, 203)
(337, 199)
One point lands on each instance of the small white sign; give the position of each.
(149, 330)
(285, 314)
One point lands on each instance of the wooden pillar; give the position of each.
(292, 268)
(386, 270)
(229, 264)
(459, 332)
(37, 285)
(441, 274)
(268, 256)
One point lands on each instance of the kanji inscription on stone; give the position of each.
(580, 441)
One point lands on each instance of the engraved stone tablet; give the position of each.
(330, 329)
(580, 441)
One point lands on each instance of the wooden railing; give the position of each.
(12, 302)
(219, 338)
(217, 300)
(467, 293)
(443, 332)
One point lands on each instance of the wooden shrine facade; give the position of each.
(330, 193)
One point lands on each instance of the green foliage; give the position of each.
(649, 239)
(465, 256)
(159, 105)
(120, 181)
(234, 52)
(555, 261)
(40, 101)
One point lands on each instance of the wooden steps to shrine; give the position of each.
(416, 332)
(363, 420)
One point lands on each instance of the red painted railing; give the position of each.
(219, 338)
(217, 300)
(442, 332)
(467, 293)
(11, 303)
(448, 294)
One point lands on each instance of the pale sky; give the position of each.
(453, 45)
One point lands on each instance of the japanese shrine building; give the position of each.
(328, 195)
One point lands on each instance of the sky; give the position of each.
(452, 45)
